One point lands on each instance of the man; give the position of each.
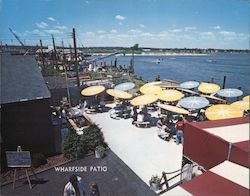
(179, 125)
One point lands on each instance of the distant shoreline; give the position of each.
(154, 54)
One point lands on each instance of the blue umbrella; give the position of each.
(194, 102)
(125, 86)
(189, 84)
(230, 92)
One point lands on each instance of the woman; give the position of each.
(74, 187)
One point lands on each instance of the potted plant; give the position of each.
(155, 183)
(99, 151)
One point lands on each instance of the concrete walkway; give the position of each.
(140, 148)
(118, 180)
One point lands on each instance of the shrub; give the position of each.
(38, 159)
(75, 146)
(155, 179)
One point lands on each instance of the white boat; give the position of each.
(157, 61)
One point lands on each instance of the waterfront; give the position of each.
(183, 68)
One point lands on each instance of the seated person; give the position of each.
(161, 124)
(140, 117)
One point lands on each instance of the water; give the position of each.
(183, 68)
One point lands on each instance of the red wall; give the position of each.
(203, 148)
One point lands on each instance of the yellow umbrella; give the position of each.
(153, 83)
(119, 94)
(170, 95)
(150, 89)
(92, 90)
(246, 98)
(222, 111)
(143, 100)
(173, 109)
(208, 88)
(241, 105)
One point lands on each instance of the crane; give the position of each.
(15, 35)
(18, 39)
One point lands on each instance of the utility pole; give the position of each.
(66, 77)
(76, 63)
(133, 58)
(41, 46)
(55, 56)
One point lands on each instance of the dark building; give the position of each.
(58, 88)
(25, 106)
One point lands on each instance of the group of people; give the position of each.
(141, 116)
(168, 126)
(75, 187)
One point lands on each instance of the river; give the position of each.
(236, 67)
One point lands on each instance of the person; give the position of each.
(74, 187)
(160, 123)
(140, 117)
(134, 114)
(94, 190)
(179, 125)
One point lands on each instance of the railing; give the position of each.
(165, 181)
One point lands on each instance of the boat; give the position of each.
(157, 61)
(212, 60)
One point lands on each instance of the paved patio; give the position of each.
(118, 180)
(140, 148)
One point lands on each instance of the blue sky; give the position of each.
(150, 23)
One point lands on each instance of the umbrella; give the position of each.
(125, 86)
(143, 100)
(194, 102)
(119, 94)
(213, 98)
(173, 109)
(208, 88)
(150, 89)
(170, 95)
(153, 83)
(246, 98)
(92, 90)
(241, 105)
(169, 84)
(188, 91)
(222, 111)
(189, 84)
(230, 92)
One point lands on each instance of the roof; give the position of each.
(226, 178)
(21, 79)
(217, 141)
(229, 134)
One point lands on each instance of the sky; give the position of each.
(222, 24)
